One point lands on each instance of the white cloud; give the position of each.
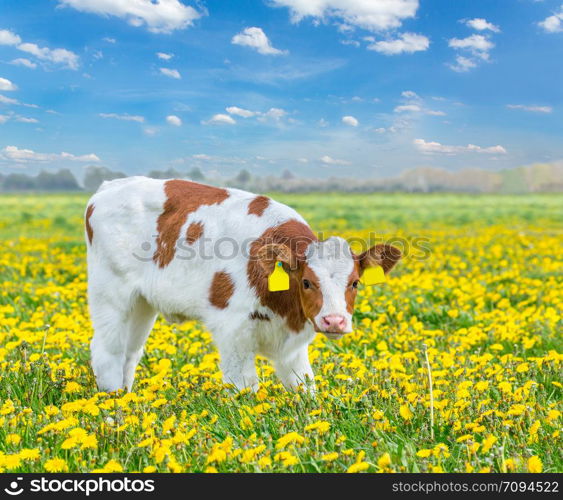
(58, 56)
(328, 160)
(274, 113)
(202, 156)
(220, 119)
(350, 120)
(435, 147)
(109, 39)
(366, 14)
(344, 28)
(164, 56)
(532, 109)
(554, 23)
(150, 131)
(245, 113)
(13, 153)
(174, 120)
(551, 24)
(159, 16)
(8, 100)
(354, 43)
(409, 94)
(6, 85)
(405, 43)
(408, 108)
(24, 119)
(433, 112)
(481, 24)
(478, 45)
(22, 61)
(125, 117)
(171, 73)
(408, 112)
(256, 39)
(9, 38)
(463, 64)
(415, 104)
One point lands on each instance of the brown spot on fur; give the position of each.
(222, 289)
(194, 232)
(312, 297)
(287, 304)
(259, 316)
(182, 199)
(258, 205)
(89, 229)
(383, 255)
(351, 292)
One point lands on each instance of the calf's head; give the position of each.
(326, 276)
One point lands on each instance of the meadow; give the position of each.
(476, 303)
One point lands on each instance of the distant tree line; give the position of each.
(547, 177)
(63, 180)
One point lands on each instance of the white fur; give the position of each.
(127, 289)
(332, 262)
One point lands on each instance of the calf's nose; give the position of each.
(334, 323)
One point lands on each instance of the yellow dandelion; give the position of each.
(289, 438)
(424, 453)
(329, 457)
(56, 465)
(357, 467)
(405, 412)
(13, 439)
(535, 464)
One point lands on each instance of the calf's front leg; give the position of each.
(295, 370)
(238, 354)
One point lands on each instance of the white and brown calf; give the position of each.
(211, 254)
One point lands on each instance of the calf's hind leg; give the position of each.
(107, 348)
(139, 327)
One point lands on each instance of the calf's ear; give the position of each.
(382, 255)
(271, 253)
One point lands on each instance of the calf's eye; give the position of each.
(355, 284)
(306, 284)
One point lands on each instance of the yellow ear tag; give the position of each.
(279, 279)
(373, 276)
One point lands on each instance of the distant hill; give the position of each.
(536, 178)
(540, 177)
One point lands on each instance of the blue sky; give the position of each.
(325, 87)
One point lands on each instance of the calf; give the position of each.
(192, 251)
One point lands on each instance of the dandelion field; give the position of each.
(484, 302)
